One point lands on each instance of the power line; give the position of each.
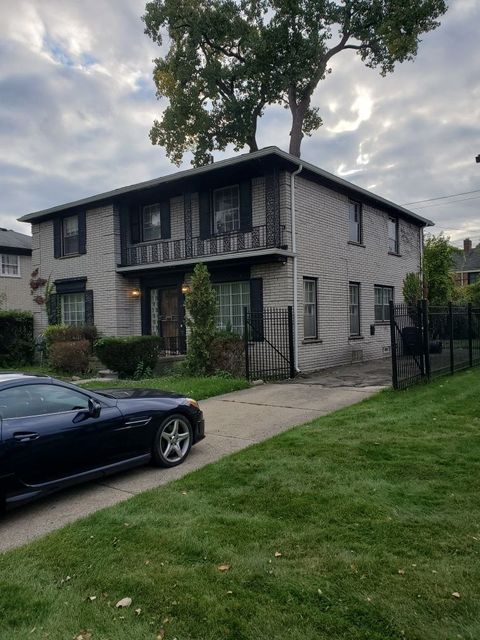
(453, 195)
(439, 204)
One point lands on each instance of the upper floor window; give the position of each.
(10, 266)
(152, 222)
(72, 308)
(393, 245)
(309, 308)
(226, 209)
(355, 222)
(383, 295)
(70, 241)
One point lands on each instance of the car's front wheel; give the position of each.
(173, 441)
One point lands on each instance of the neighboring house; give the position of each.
(466, 264)
(274, 231)
(15, 270)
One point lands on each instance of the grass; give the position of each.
(374, 508)
(198, 388)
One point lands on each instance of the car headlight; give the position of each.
(193, 403)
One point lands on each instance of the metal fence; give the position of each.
(432, 341)
(268, 336)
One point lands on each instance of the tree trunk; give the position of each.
(298, 112)
(252, 143)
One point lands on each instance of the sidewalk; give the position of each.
(233, 421)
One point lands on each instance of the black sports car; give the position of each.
(54, 434)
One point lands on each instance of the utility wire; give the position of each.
(439, 204)
(453, 195)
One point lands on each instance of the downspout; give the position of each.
(294, 251)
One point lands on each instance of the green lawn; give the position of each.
(375, 510)
(197, 388)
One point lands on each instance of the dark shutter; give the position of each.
(89, 318)
(57, 237)
(53, 312)
(256, 309)
(204, 212)
(135, 224)
(245, 190)
(165, 219)
(82, 232)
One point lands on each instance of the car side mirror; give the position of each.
(94, 408)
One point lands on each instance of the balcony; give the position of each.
(160, 252)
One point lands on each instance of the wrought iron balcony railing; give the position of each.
(161, 251)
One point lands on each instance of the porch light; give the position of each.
(136, 293)
(185, 288)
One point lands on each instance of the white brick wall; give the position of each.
(17, 290)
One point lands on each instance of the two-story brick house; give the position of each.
(15, 270)
(275, 231)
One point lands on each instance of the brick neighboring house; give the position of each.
(466, 264)
(274, 231)
(15, 270)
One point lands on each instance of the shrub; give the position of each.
(70, 356)
(124, 355)
(201, 306)
(65, 333)
(16, 338)
(228, 354)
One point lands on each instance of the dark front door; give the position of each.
(171, 326)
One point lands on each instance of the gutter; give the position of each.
(294, 250)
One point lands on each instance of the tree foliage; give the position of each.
(201, 306)
(225, 61)
(412, 288)
(437, 264)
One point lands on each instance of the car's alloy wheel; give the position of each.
(173, 441)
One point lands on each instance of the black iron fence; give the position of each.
(429, 341)
(268, 336)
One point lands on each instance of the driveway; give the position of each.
(233, 421)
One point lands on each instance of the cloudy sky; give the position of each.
(77, 101)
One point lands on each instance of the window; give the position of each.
(393, 235)
(355, 222)
(70, 235)
(473, 277)
(309, 308)
(383, 295)
(232, 297)
(354, 300)
(10, 266)
(39, 399)
(73, 308)
(226, 210)
(151, 222)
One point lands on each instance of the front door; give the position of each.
(171, 327)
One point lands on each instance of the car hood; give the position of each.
(140, 394)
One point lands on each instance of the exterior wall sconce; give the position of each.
(186, 288)
(135, 293)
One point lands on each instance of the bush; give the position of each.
(228, 354)
(124, 355)
(70, 356)
(16, 338)
(65, 333)
(201, 306)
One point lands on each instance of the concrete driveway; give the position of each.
(233, 421)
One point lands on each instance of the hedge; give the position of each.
(65, 333)
(124, 355)
(70, 357)
(16, 338)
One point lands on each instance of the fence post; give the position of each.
(245, 339)
(470, 334)
(393, 346)
(450, 328)
(426, 338)
(291, 352)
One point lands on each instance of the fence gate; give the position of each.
(428, 341)
(268, 336)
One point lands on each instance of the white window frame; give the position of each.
(151, 231)
(393, 242)
(220, 224)
(310, 308)
(5, 265)
(232, 297)
(355, 214)
(72, 309)
(386, 294)
(66, 234)
(352, 305)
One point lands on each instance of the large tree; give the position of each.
(226, 60)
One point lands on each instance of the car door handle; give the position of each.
(23, 436)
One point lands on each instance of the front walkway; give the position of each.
(372, 373)
(233, 421)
